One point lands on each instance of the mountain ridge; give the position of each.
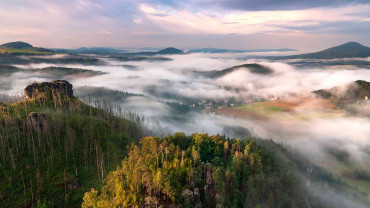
(222, 50)
(347, 50)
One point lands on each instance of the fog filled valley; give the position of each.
(311, 115)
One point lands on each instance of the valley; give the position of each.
(185, 104)
(298, 116)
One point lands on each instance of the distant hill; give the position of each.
(50, 72)
(330, 63)
(8, 69)
(347, 50)
(121, 52)
(92, 50)
(17, 45)
(219, 50)
(20, 47)
(253, 68)
(103, 93)
(353, 92)
(168, 51)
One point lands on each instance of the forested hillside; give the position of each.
(354, 92)
(199, 171)
(53, 148)
(56, 151)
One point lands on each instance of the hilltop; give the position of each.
(347, 50)
(253, 68)
(165, 51)
(20, 47)
(17, 45)
(91, 50)
(350, 93)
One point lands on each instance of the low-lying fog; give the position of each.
(321, 138)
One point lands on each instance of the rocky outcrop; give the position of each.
(212, 199)
(40, 90)
(37, 121)
(191, 198)
(151, 202)
(72, 184)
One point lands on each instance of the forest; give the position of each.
(195, 171)
(57, 151)
(53, 146)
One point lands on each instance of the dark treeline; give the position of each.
(21, 58)
(53, 72)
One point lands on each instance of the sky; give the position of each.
(234, 24)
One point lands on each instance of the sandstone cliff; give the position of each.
(44, 89)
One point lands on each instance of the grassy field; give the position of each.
(298, 108)
(261, 108)
(22, 50)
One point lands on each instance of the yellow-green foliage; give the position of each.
(160, 169)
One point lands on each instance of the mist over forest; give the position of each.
(317, 111)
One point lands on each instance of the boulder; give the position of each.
(39, 90)
(151, 202)
(187, 194)
(29, 165)
(70, 184)
(73, 184)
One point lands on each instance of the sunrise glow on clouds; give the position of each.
(247, 22)
(160, 23)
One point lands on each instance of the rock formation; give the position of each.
(44, 89)
(151, 202)
(191, 198)
(72, 184)
(212, 199)
(36, 121)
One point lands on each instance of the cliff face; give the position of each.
(39, 90)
